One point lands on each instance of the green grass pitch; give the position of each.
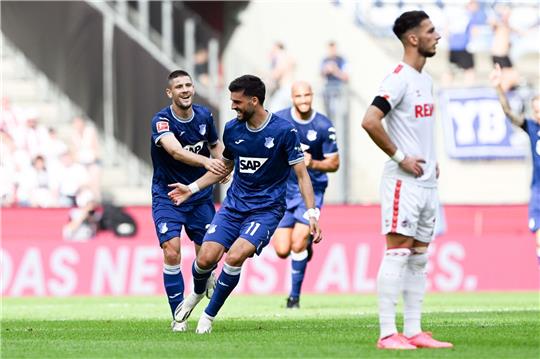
(481, 325)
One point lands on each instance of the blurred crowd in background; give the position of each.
(39, 169)
(42, 169)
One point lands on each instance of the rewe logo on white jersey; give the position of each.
(196, 148)
(251, 164)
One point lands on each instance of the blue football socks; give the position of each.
(174, 285)
(227, 281)
(200, 277)
(298, 264)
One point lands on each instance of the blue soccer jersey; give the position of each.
(194, 134)
(533, 130)
(317, 137)
(262, 163)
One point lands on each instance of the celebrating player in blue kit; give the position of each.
(183, 137)
(318, 140)
(532, 127)
(262, 148)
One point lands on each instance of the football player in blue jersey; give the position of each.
(318, 140)
(262, 148)
(532, 127)
(183, 138)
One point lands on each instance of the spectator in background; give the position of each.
(8, 120)
(33, 137)
(460, 29)
(201, 66)
(72, 176)
(334, 69)
(8, 179)
(500, 49)
(84, 219)
(14, 162)
(85, 147)
(55, 147)
(37, 187)
(282, 66)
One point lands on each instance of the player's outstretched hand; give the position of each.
(495, 76)
(179, 194)
(216, 166)
(413, 165)
(315, 230)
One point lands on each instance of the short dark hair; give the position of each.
(177, 73)
(408, 20)
(251, 85)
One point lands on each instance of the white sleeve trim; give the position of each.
(159, 137)
(330, 154)
(298, 160)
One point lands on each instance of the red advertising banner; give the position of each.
(485, 248)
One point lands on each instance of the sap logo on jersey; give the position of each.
(251, 164)
(196, 148)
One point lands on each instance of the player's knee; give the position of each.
(171, 255)
(205, 261)
(282, 251)
(236, 259)
(299, 246)
(418, 259)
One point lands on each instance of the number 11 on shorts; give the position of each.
(253, 225)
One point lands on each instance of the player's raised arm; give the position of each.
(174, 148)
(495, 78)
(309, 199)
(372, 123)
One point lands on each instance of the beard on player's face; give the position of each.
(426, 53)
(303, 109)
(245, 115)
(184, 105)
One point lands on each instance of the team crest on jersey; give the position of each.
(162, 126)
(202, 129)
(250, 164)
(196, 148)
(211, 228)
(269, 142)
(311, 135)
(163, 228)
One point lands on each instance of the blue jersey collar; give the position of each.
(184, 120)
(265, 123)
(299, 120)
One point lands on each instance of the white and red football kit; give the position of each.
(409, 204)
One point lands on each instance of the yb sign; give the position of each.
(475, 126)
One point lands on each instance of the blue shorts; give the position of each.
(169, 219)
(256, 227)
(296, 210)
(534, 209)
